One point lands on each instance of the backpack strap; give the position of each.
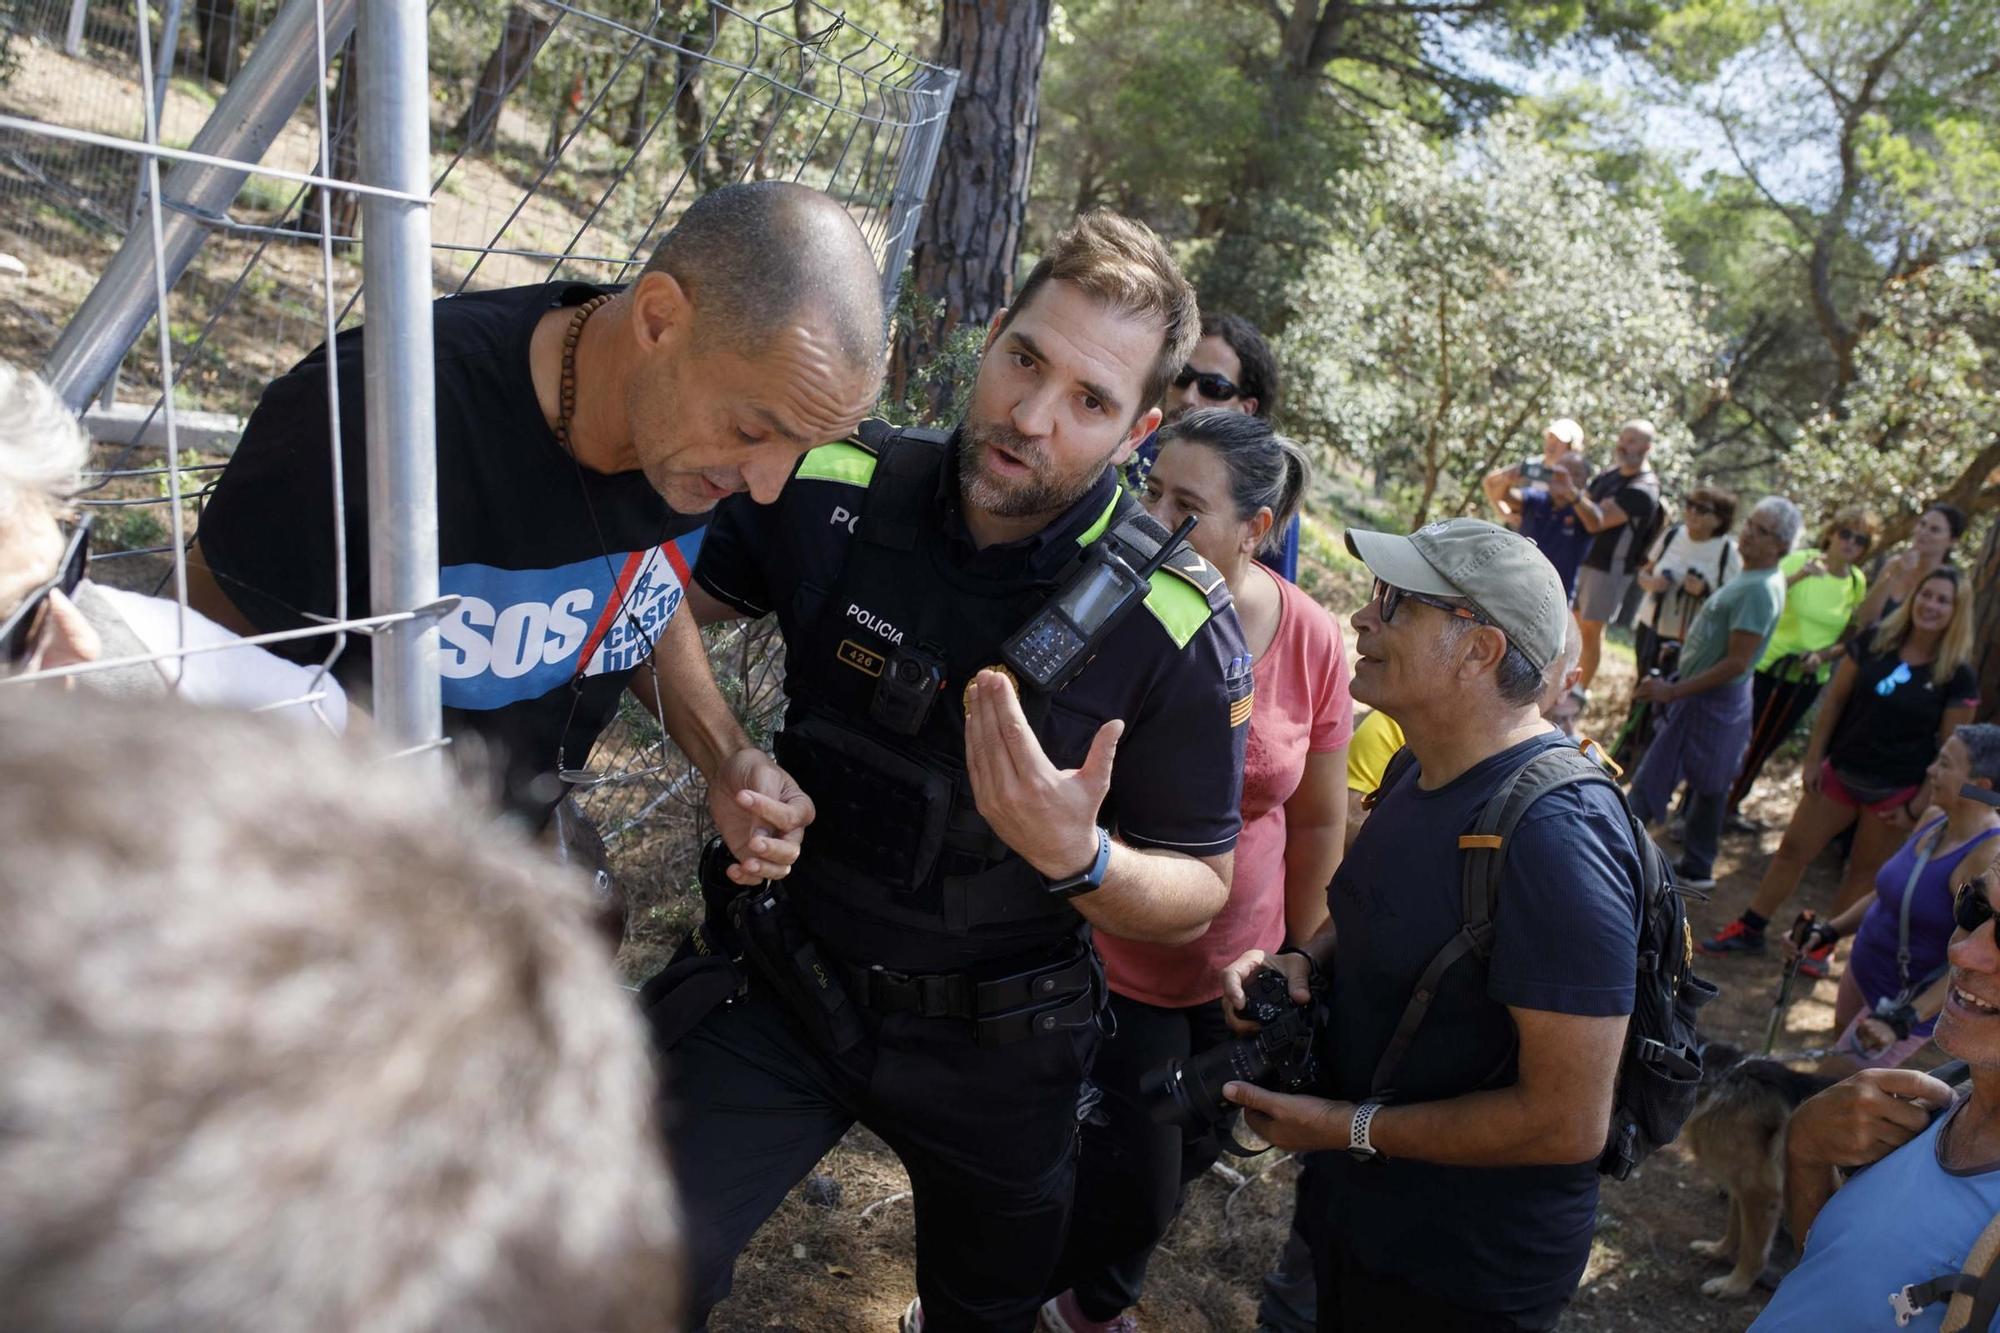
(1392, 772)
(1479, 884)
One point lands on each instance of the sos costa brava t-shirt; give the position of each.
(565, 577)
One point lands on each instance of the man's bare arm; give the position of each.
(1157, 896)
(1558, 1110)
(205, 595)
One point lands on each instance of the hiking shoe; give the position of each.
(913, 1317)
(1814, 963)
(1064, 1315)
(1733, 938)
(1738, 822)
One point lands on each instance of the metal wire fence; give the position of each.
(182, 187)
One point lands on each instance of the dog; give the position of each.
(1737, 1135)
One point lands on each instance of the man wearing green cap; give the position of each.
(1467, 1201)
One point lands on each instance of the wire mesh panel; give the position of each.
(565, 141)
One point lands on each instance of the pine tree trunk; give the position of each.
(688, 114)
(1986, 626)
(970, 235)
(215, 22)
(636, 119)
(345, 109)
(513, 56)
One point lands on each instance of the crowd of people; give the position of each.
(1072, 814)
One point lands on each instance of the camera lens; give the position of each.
(908, 672)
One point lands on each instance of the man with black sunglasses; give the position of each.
(1466, 1197)
(1918, 1225)
(1232, 369)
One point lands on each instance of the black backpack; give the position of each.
(1660, 1071)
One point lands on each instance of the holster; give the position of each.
(784, 957)
(687, 990)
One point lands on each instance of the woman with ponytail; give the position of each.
(1244, 483)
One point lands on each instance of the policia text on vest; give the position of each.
(972, 986)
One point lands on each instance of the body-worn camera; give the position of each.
(1279, 1056)
(908, 686)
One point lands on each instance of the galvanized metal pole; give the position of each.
(397, 365)
(163, 68)
(933, 92)
(262, 97)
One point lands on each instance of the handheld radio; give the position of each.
(1062, 637)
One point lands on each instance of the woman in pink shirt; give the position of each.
(1243, 482)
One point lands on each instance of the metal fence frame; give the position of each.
(178, 210)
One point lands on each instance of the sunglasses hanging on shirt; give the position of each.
(22, 629)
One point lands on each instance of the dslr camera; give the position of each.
(1535, 471)
(1279, 1056)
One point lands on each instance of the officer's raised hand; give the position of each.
(760, 813)
(1046, 814)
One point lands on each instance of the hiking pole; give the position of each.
(1797, 935)
(1634, 716)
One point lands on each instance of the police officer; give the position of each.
(935, 982)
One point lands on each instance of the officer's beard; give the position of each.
(1041, 492)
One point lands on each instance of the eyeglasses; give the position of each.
(1701, 507)
(22, 629)
(1850, 535)
(1391, 597)
(1970, 907)
(1212, 386)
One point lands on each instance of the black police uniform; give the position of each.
(971, 988)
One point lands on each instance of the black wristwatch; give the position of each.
(1091, 879)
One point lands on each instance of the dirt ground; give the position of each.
(837, 1260)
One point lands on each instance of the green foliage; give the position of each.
(1476, 291)
(1924, 410)
(954, 367)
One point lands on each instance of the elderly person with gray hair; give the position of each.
(52, 616)
(1707, 724)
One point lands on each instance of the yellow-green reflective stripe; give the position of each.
(840, 461)
(1101, 526)
(1176, 604)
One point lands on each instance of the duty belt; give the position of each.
(1001, 1010)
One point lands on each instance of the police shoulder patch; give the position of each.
(844, 461)
(1186, 592)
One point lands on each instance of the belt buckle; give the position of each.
(934, 994)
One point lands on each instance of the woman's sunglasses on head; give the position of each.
(22, 630)
(1216, 387)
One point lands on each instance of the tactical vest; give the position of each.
(898, 837)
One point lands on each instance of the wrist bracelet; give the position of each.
(1312, 963)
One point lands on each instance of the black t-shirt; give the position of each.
(1887, 734)
(1622, 548)
(1177, 778)
(1566, 941)
(565, 576)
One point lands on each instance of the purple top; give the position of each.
(1872, 963)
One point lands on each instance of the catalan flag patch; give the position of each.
(1239, 712)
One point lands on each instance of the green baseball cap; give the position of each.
(1503, 574)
